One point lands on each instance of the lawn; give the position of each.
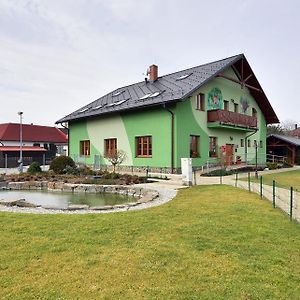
(283, 179)
(210, 242)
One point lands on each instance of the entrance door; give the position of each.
(229, 154)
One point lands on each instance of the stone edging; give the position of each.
(143, 195)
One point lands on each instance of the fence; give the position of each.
(13, 162)
(287, 198)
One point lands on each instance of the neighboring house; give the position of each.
(295, 133)
(209, 112)
(39, 143)
(282, 145)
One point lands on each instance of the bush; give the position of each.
(272, 166)
(71, 170)
(34, 168)
(85, 170)
(59, 164)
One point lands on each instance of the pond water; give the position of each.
(61, 200)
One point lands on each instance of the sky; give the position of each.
(59, 55)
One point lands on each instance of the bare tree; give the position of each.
(288, 125)
(116, 158)
(275, 129)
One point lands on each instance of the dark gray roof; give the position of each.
(288, 139)
(167, 88)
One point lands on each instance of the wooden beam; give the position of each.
(248, 77)
(242, 70)
(239, 82)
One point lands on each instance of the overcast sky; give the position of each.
(58, 55)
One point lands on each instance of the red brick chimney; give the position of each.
(153, 73)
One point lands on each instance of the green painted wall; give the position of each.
(157, 123)
(125, 127)
(192, 121)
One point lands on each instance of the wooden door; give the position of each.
(229, 154)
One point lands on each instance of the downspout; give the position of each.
(246, 144)
(172, 137)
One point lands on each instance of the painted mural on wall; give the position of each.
(244, 104)
(215, 100)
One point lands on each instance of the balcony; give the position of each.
(228, 119)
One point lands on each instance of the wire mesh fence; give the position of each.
(285, 197)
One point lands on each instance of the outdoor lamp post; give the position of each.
(20, 113)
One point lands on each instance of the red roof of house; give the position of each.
(295, 132)
(32, 133)
(24, 148)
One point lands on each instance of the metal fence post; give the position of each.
(249, 187)
(220, 176)
(261, 186)
(6, 162)
(291, 204)
(44, 162)
(195, 182)
(274, 195)
(236, 178)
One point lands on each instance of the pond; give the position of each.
(61, 200)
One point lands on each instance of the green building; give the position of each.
(213, 112)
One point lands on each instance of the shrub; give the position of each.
(272, 166)
(34, 168)
(85, 170)
(71, 170)
(59, 164)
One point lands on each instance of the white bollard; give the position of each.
(186, 170)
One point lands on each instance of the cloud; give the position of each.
(56, 56)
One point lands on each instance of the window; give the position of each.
(212, 146)
(200, 102)
(36, 145)
(260, 144)
(254, 112)
(249, 143)
(242, 142)
(194, 146)
(85, 148)
(110, 147)
(226, 105)
(236, 107)
(255, 143)
(143, 146)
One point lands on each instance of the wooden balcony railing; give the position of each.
(231, 118)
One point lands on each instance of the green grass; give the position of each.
(212, 242)
(283, 179)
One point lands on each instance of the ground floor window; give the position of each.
(143, 146)
(85, 148)
(110, 147)
(194, 146)
(212, 146)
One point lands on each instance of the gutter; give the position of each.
(172, 137)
